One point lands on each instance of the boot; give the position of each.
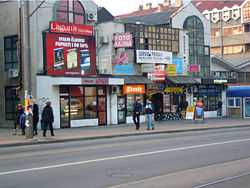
(14, 132)
(21, 132)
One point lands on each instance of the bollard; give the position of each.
(29, 126)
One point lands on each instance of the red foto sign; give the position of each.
(122, 40)
(69, 28)
(95, 81)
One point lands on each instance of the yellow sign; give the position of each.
(190, 109)
(171, 70)
(174, 89)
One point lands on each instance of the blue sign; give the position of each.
(124, 69)
(178, 62)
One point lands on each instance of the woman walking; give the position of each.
(35, 112)
(48, 118)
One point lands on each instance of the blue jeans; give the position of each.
(149, 121)
(219, 113)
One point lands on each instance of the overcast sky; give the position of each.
(118, 7)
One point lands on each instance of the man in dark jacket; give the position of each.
(35, 112)
(48, 118)
(136, 113)
(219, 113)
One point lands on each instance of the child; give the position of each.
(22, 122)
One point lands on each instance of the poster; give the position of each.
(70, 55)
(190, 112)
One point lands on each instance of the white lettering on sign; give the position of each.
(134, 89)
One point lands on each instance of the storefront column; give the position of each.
(113, 109)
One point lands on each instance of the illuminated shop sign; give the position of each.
(123, 40)
(158, 57)
(70, 55)
(133, 89)
(174, 89)
(95, 81)
(220, 81)
(69, 28)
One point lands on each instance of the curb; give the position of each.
(34, 142)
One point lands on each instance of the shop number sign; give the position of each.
(134, 89)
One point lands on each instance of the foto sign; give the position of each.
(69, 28)
(149, 56)
(134, 89)
(123, 40)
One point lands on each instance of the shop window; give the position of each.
(11, 100)
(11, 52)
(131, 99)
(234, 102)
(70, 12)
(246, 12)
(240, 77)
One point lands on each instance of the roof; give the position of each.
(150, 19)
(238, 91)
(182, 80)
(217, 60)
(135, 79)
(147, 11)
(209, 5)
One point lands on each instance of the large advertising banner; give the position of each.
(70, 55)
(159, 75)
(158, 57)
(123, 40)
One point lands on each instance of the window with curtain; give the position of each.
(11, 52)
(70, 11)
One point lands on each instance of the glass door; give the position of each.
(247, 107)
(102, 113)
(64, 105)
(121, 107)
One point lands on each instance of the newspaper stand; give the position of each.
(199, 111)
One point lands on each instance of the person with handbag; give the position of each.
(48, 118)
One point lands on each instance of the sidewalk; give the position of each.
(111, 131)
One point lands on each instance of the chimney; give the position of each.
(160, 7)
(148, 5)
(166, 2)
(178, 3)
(140, 8)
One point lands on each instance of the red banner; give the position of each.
(69, 28)
(70, 55)
(194, 68)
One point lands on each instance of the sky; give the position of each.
(118, 7)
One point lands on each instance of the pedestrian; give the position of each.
(219, 113)
(149, 114)
(35, 112)
(136, 113)
(48, 118)
(23, 122)
(19, 111)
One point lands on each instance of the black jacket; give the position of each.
(47, 115)
(18, 114)
(35, 113)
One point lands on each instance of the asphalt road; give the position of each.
(191, 159)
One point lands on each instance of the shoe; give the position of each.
(52, 135)
(44, 135)
(153, 128)
(148, 129)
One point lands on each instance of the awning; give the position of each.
(135, 79)
(181, 80)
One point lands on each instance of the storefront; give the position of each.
(210, 92)
(238, 101)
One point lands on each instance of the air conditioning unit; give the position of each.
(92, 17)
(104, 40)
(193, 89)
(114, 89)
(13, 73)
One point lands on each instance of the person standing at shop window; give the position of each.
(219, 108)
(48, 118)
(136, 113)
(149, 114)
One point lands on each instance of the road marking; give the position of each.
(123, 156)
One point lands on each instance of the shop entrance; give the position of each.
(64, 106)
(157, 102)
(121, 101)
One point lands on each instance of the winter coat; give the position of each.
(149, 108)
(18, 114)
(35, 112)
(47, 115)
(219, 104)
(137, 107)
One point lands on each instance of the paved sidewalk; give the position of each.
(110, 131)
